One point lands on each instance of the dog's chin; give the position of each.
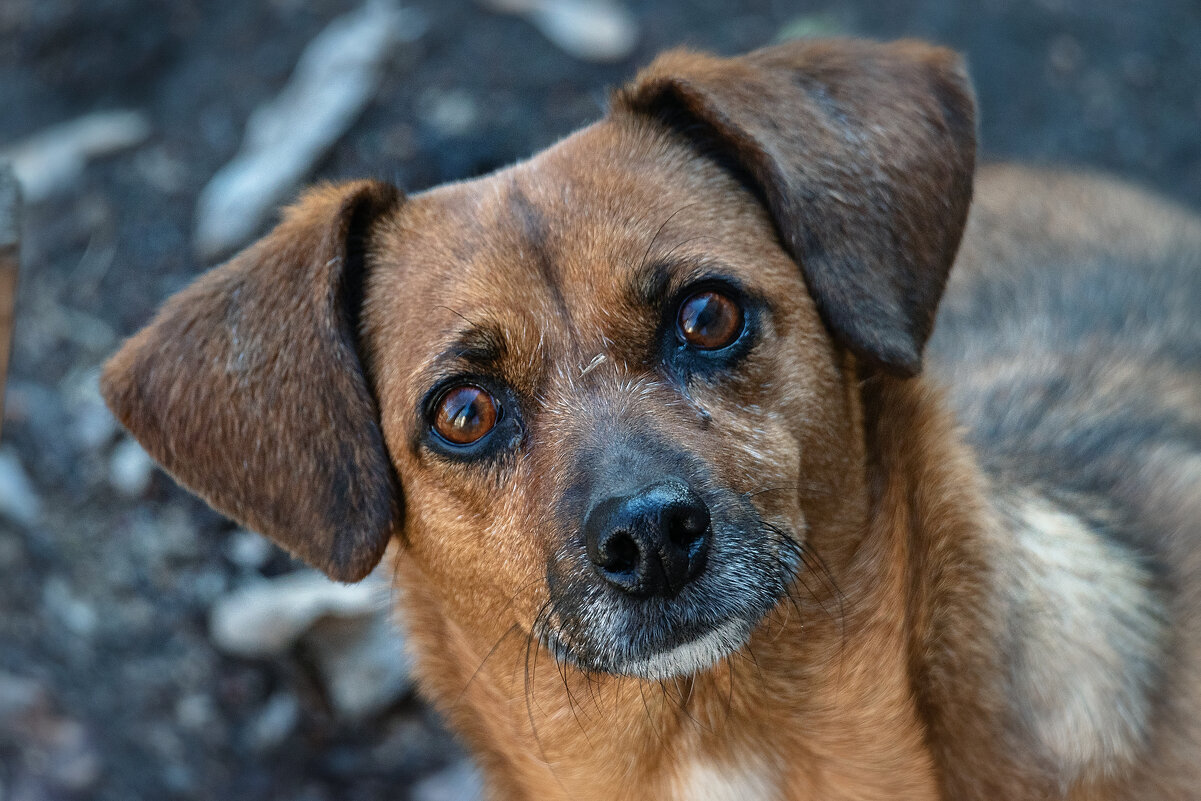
(690, 657)
(684, 658)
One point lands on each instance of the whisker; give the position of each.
(754, 660)
(655, 238)
(480, 667)
(730, 680)
(815, 565)
(467, 319)
(562, 670)
(650, 719)
(529, 685)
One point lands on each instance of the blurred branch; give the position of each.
(10, 245)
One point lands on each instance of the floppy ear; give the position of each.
(862, 152)
(247, 387)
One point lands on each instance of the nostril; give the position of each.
(621, 553)
(686, 525)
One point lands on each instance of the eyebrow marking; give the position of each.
(482, 346)
(650, 283)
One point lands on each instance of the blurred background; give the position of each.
(148, 648)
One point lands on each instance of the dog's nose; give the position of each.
(652, 542)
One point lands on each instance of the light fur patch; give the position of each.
(693, 656)
(702, 780)
(1087, 637)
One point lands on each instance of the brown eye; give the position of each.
(709, 320)
(465, 414)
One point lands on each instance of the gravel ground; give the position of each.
(110, 684)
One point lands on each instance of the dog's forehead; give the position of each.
(547, 255)
(569, 218)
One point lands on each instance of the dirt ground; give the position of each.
(104, 593)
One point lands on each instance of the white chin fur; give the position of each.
(690, 657)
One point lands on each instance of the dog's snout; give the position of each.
(651, 542)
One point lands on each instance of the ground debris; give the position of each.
(335, 79)
(590, 30)
(459, 782)
(362, 662)
(52, 160)
(19, 501)
(346, 629)
(266, 617)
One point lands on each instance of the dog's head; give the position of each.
(602, 395)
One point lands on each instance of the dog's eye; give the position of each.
(709, 320)
(465, 414)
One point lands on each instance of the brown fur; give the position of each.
(894, 663)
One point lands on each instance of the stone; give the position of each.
(590, 30)
(335, 79)
(76, 614)
(52, 160)
(274, 723)
(92, 425)
(248, 550)
(57, 751)
(363, 664)
(130, 469)
(808, 26)
(19, 501)
(459, 782)
(195, 711)
(71, 759)
(265, 617)
(20, 699)
(450, 113)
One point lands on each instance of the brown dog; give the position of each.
(673, 512)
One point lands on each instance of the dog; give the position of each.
(686, 494)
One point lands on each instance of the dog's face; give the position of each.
(606, 389)
(601, 396)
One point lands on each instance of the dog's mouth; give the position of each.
(587, 625)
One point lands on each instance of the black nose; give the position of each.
(652, 542)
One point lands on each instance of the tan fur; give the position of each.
(831, 180)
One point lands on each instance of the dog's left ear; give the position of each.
(864, 155)
(248, 386)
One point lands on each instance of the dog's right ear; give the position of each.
(248, 388)
(863, 153)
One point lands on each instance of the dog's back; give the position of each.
(1069, 346)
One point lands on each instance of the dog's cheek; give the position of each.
(474, 537)
(784, 420)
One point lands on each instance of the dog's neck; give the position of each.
(829, 700)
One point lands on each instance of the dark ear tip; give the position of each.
(900, 369)
(901, 356)
(640, 95)
(904, 369)
(372, 196)
(358, 568)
